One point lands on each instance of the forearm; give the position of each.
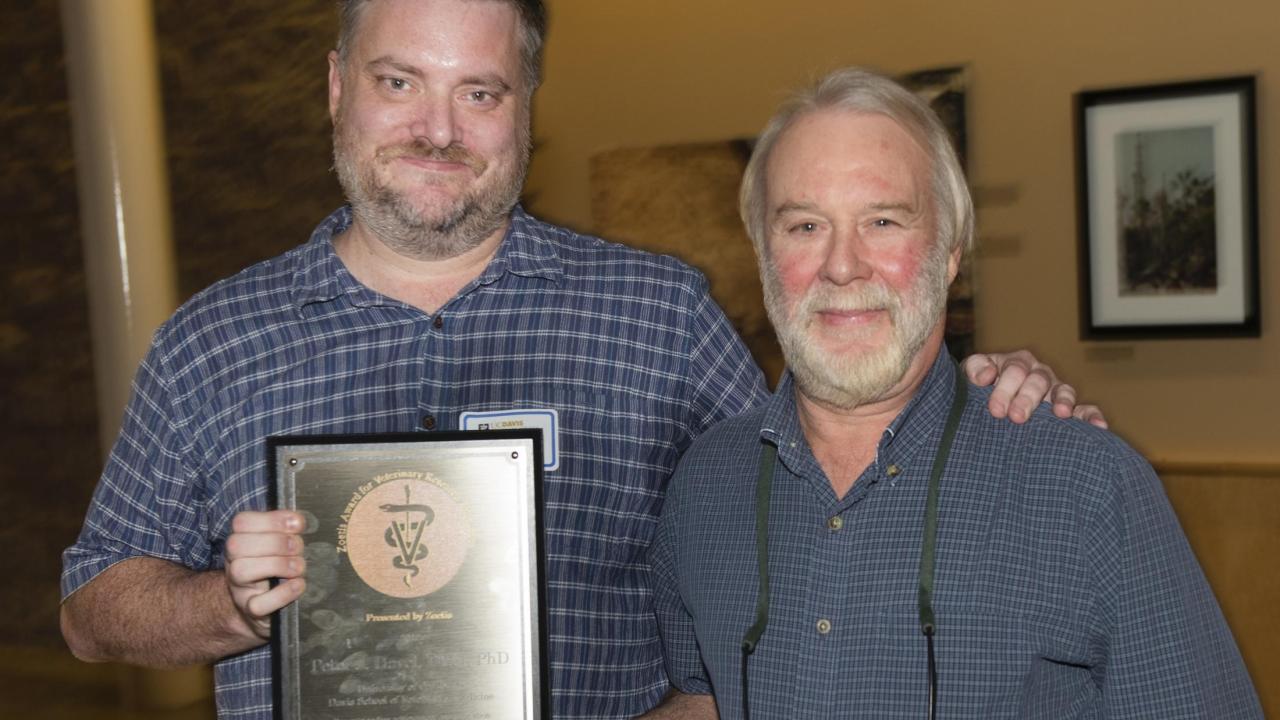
(680, 706)
(150, 612)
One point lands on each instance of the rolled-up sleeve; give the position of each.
(142, 506)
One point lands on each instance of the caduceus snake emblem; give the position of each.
(416, 518)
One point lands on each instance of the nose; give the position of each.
(435, 123)
(845, 257)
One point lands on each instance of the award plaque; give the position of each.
(424, 566)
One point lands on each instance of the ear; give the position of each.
(953, 264)
(335, 85)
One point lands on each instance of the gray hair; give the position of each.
(533, 31)
(862, 91)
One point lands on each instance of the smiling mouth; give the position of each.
(850, 316)
(423, 155)
(434, 165)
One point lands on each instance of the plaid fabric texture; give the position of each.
(626, 346)
(1064, 587)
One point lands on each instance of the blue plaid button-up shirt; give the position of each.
(1064, 587)
(626, 346)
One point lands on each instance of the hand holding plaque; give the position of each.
(262, 546)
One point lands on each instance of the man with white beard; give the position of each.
(870, 542)
(431, 299)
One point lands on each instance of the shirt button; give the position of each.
(835, 523)
(893, 471)
(438, 322)
(429, 422)
(824, 626)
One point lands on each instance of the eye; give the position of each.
(483, 98)
(395, 84)
(804, 228)
(883, 222)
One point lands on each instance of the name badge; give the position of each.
(547, 420)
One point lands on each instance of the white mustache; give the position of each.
(861, 299)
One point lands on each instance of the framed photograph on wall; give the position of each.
(1168, 211)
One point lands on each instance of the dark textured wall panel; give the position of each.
(48, 424)
(247, 126)
(246, 114)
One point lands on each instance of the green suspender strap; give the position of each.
(764, 488)
(929, 545)
(930, 542)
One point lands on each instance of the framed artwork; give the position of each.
(1168, 211)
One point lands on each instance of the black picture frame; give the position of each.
(1167, 202)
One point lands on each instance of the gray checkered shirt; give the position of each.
(1064, 585)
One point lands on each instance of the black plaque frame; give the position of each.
(285, 645)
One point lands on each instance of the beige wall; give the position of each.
(646, 72)
(632, 73)
(1233, 521)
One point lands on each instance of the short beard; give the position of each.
(848, 381)
(416, 233)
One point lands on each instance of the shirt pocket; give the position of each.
(982, 657)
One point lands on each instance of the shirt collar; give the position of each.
(527, 250)
(319, 275)
(913, 430)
